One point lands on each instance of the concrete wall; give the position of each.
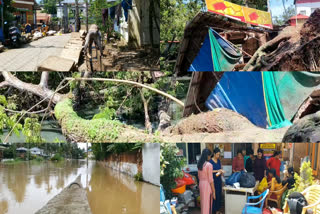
(151, 163)
(308, 7)
(130, 169)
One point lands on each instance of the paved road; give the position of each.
(27, 57)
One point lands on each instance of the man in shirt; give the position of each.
(274, 162)
(238, 163)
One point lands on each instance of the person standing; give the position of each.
(206, 183)
(249, 162)
(260, 166)
(274, 162)
(238, 163)
(217, 173)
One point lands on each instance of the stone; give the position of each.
(56, 63)
(306, 129)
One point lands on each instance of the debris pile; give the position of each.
(296, 48)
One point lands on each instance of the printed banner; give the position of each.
(240, 13)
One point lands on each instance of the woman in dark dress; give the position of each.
(260, 166)
(217, 173)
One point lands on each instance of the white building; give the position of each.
(81, 3)
(36, 151)
(306, 7)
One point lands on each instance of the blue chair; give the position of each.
(252, 208)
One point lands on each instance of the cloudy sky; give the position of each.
(277, 8)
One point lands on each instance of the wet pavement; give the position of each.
(26, 187)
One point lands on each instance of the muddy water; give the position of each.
(26, 187)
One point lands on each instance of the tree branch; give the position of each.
(3, 84)
(132, 83)
(32, 88)
(44, 79)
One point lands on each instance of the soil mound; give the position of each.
(219, 120)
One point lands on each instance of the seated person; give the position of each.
(289, 178)
(275, 183)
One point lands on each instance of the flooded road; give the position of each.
(26, 187)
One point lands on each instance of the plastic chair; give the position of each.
(312, 195)
(277, 196)
(252, 208)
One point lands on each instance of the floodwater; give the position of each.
(26, 187)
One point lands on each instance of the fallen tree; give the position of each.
(75, 128)
(294, 49)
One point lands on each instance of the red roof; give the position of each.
(299, 16)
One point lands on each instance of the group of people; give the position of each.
(210, 173)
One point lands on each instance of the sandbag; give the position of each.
(263, 185)
(296, 202)
(234, 178)
(247, 180)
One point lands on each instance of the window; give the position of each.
(303, 12)
(194, 150)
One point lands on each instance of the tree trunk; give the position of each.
(147, 122)
(77, 18)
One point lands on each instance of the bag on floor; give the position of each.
(247, 180)
(234, 178)
(263, 185)
(296, 202)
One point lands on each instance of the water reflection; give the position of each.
(26, 187)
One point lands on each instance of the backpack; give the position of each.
(296, 202)
(234, 178)
(247, 180)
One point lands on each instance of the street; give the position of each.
(28, 56)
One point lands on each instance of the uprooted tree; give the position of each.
(30, 94)
(294, 49)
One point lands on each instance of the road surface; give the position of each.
(27, 57)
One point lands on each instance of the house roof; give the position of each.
(299, 16)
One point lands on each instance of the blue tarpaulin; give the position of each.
(241, 92)
(216, 54)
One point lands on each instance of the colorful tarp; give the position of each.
(240, 13)
(251, 94)
(216, 54)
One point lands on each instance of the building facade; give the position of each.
(306, 7)
(26, 11)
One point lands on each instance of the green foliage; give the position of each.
(32, 130)
(57, 157)
(103, 150)
(50, 6)
(170, 167)
(95, 15)
(6, 121)
(138, 176)
(305, 179)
